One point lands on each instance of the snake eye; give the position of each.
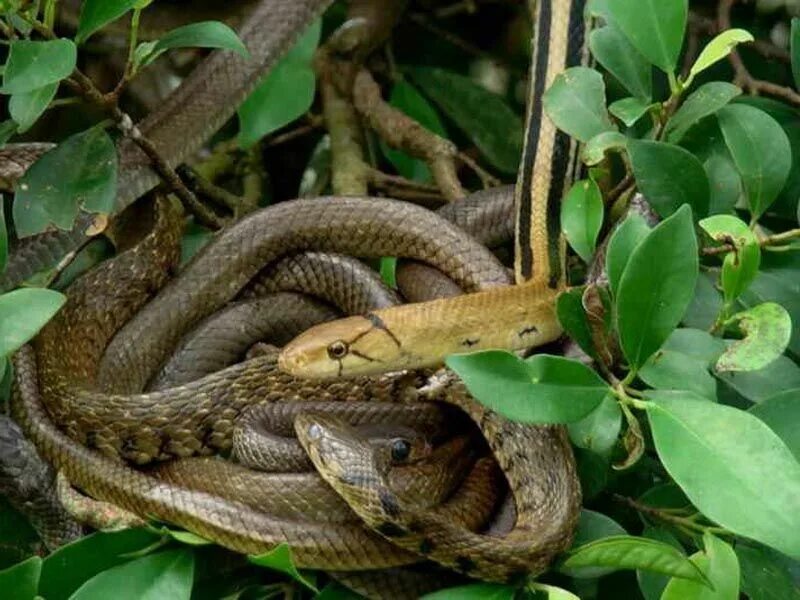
(400, 450)
(338, 349)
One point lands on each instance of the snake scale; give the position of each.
(536, 460)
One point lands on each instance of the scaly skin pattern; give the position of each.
(198, 417)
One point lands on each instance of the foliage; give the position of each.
(686, 432)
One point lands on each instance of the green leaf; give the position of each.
(576, 103)
(730, 488)
(630, 552)
(582, 217)
(542, 389)
(761, 151)
(627, 236)
(700, 345)
(388, 271)
(670, 370)
(592, 526)
(669, 177)
(3, 237)
(571, 315)
(740, 267)
(195, 237)
(81, 172)
(96, 14)
(717, 49)
(795, 51)
(68, 567)
(26, 108)
(703, 102)
(483, 116)
(551, 592)
(721, 567)
(764, 574)
(21, 581)
(167, 574)
(629, 110)
(767, 328)
(474, 591)
(620, 58)
(596, 148)
(782, 413)
(32, 65)
(656, 287)
(280, 559)
(756, 386)
(598, 431)
(206, 34)
(23, 313)
(654, 27)
(286, 93)
(652, 584)
(406, 98)
(725, 183)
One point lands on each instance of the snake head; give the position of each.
(350, 346)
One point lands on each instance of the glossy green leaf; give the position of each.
(582, 217)
(592, 526)
(795, 51)
(167, 574)
(652, 584)
(81, 172)
(670, 370)
(739, 268)
(483, 116)
(719, 564)
(654, 27)
(620, 58)
(23, 313)
(96, 14)
(782, 413)
(717, 49)
(285, 94)
(761, 151)
(595, 150)
(689, 431)
(388, 271)
(669, 177)
(21, 581)
(629, 110)
(701, 103)
(764, 574)
(32, 65)
(26, 108)
(576, 103)
(206, 34)
(624, 240)
(552, 592)
(3, 237)
(70, 566)
(280, 559)
(630, 552)
(656, 287)
(571, 315)
(767, 329)
(406, 98)
(541, 389)
(474, 591)
(598, 431)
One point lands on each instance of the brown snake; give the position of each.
(536, 460)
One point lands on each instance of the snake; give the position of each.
(544, 503)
